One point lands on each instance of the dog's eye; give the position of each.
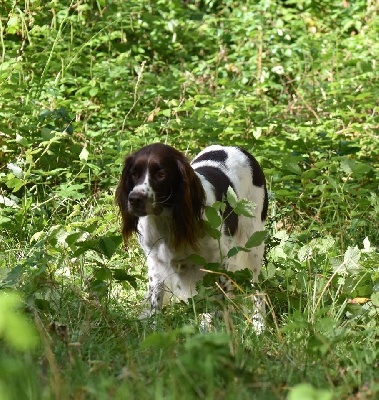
(161, 174)
(134, 174)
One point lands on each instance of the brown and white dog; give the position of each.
(162, 197)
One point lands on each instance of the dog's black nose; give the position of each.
(137, 202)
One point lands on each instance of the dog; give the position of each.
(162, 198)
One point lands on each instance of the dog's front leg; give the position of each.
(155, 295)
(155, 292)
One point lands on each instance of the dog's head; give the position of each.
(155, 178)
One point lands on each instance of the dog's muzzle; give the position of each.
(140, 205)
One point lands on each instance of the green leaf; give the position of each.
(109, 244)
(347, 165)
(83, 156)
(235, 250)
(15, 328)
(15, 274)
(231, 197)
(93, 91)
(214, 266)
(4, 220)
(245, 207)
(219, 206)
(8, 202)
(208, 342)
(73, 237)
(106, 246)
(375, 299)
(160, 340)
(361, 169)
(213, 217)
(121, 275)
(15, 169)
(305, 391)
(294, 168)
(70, 191)
(13, 24)
(214, 233)
(14, 183)
(21, 140)
(196, 259)
(256, 239)
(48, 133)
(102, 274)
(351, 257)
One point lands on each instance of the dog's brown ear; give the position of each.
(129, 222)
(188, 209)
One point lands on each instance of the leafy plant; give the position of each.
(84, 83)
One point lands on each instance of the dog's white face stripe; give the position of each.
(144, 187)
(146, 193)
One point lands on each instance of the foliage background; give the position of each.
(83, 83)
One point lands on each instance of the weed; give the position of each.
(84, 83)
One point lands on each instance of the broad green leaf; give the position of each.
(15, 169)
(256, 239)
(83, 156)
(231, 197)
(8, 202)
(305, 391)
(14, 183)
(93, 91)
(208, 342)
(212, 232)
(121, 275)
(102, 274)
(235, 250)
(13, 24)
(294, 168)
(4, 220)
(375, 299)
(72, 191)
(109, 244)
(48, 133)
(213, 217)
(106, 246)
(15, 274)
(219, 206)
(73, 237)
(15, 328)
(214, 266)
(160, 340)
(196, 259)
(310, 173)
(21, 140)
(245, 207)
(360, 169)
(347, 165)
(351, 257)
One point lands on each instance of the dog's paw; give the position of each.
(205, 322)
(146, 314)
(258, 314)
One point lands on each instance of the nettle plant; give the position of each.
(315, 278)
(215, 216)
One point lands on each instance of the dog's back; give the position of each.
(221, 167)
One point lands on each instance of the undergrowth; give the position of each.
(82, 84)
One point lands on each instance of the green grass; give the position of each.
(85, 83)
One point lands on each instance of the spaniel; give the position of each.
(162, 198)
